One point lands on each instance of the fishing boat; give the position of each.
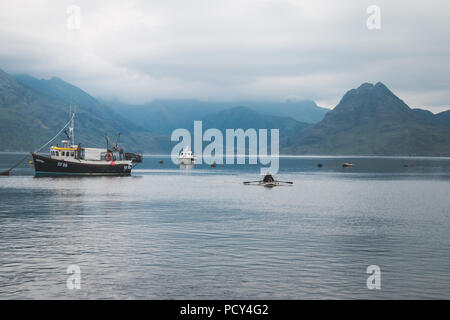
(187, 157)
(72, 159)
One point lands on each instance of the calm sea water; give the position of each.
(171, 233)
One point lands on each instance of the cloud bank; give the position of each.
(222, 50)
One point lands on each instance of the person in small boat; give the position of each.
(268, 178)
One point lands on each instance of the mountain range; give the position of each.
(164, 116)
(369, 120)
(32, 110)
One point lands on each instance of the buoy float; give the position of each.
(347, 165)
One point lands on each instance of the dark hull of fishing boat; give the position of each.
(45, 167)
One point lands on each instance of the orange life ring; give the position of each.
(107, 156)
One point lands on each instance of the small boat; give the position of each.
(268, 182)
(186, 156)
(73, 160)
(347, 165)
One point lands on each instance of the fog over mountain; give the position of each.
(32, 110)
(164, 116)
(263, 50)
(369, 120)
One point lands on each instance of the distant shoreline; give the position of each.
(156, 155)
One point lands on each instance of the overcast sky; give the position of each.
(220, 50)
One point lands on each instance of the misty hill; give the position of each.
(439, 119)
(32, 111)
(164, 116)
(245, 118)
(371, 120)
(303, 111)
(443, 118)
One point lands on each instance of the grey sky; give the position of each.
(233, 49)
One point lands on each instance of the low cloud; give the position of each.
(232, 49)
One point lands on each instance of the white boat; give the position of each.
(187, 157)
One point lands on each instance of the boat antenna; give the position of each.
(116, 146)
(107, 142)
(71, 127)
(72, 134)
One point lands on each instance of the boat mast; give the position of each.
(72, 111)
(71, 129)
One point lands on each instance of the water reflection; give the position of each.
(187, 166)
(167, 234)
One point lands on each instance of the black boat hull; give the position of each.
(46, 167)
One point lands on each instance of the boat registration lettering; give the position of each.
(62, 164)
